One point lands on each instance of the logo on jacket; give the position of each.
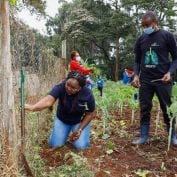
(151, 59)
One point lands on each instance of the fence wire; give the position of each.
(43, 70)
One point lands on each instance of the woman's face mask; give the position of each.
(78, 58)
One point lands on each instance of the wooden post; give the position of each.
(63, 49)
(63, 53)
(7, 114)
(116, 74)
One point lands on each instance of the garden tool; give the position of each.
(23, 145)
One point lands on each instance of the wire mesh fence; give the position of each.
(42, 71)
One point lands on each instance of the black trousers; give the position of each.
(146, 93)
(101, 90)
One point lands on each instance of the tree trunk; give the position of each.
(7, 114)
(116, 73)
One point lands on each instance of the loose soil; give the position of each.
(115, 156)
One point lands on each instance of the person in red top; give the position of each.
(129, 72)
(76, 66)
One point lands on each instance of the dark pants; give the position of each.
(146, 93)
(101, 90)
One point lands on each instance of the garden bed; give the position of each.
(115, 156)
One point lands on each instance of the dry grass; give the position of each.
(8, 166)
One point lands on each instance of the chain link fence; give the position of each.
(42, 71)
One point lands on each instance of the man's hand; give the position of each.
(136, 82)
(166, 77)
(75, 135)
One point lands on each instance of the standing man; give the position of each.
(153, 69)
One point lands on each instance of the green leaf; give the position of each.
(105, 136)
(13, 2)
(111, 145)
(142, 173)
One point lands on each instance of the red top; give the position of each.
(75, 65)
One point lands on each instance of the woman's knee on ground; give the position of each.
(80, 144)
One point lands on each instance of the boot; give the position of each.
(144, 135)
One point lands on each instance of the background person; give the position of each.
(153, 69)
(74, 112)
(127, 76)
(75, 64)
(100, 84)
(89, 82)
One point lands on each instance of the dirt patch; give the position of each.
(115, 156)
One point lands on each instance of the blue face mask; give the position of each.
(149, 30)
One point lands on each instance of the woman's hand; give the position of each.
(88, 117)
(29, 107)
(75, 135)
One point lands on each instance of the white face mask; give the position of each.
(78, 58)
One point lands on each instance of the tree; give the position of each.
(164, 9)
(7, 114)
(104, 32)
(94, 29)
(121, 25)
(6, 91)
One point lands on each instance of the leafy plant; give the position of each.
(111, 145)
(142, 173)
(172, 112)
(13, 2)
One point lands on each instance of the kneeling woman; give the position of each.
(75, 110)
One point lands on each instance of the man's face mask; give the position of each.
(148, 30)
